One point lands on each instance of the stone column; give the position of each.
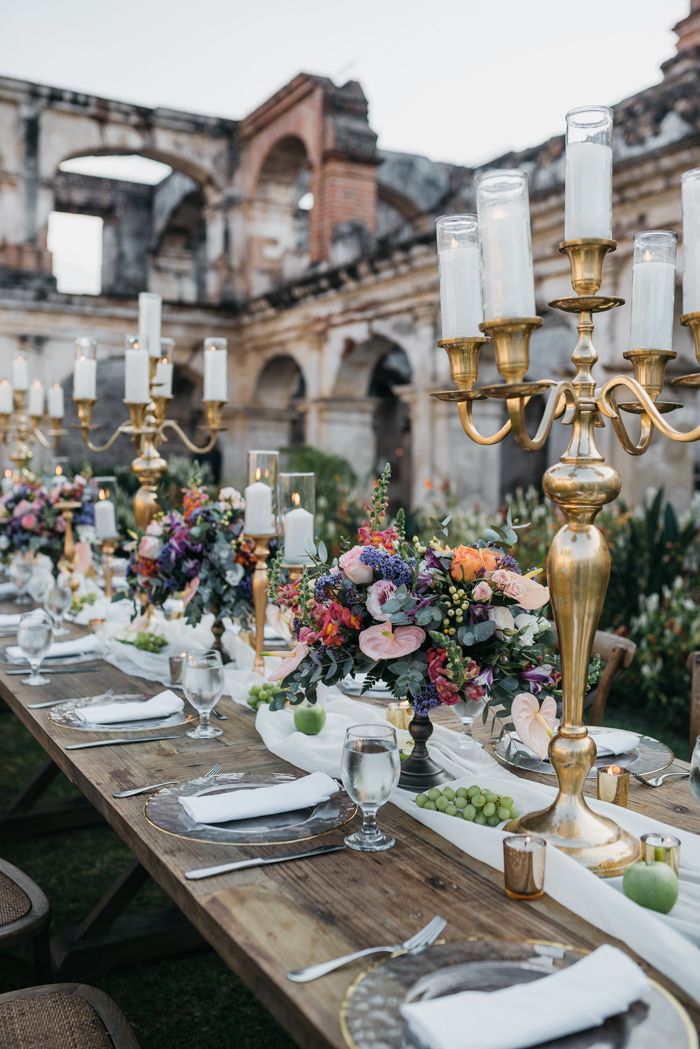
(345, 427)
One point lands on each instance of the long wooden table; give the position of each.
(265, 921)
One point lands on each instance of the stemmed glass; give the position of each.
(34, 637)
(370, 771)
(203, 682)
(57, 602)
(468, 711)
(21, 572)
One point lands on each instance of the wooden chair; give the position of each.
(24, 918)
(617, 653)
(63, 1016)
(694, 668)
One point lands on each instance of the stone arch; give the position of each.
(279, 397)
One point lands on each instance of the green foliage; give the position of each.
(338, 510)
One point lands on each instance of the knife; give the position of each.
(54, 670)
(257, 861)
(116, 742)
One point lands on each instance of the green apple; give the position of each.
(309, 719)
(653, 885)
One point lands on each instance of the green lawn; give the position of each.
(190, 1002)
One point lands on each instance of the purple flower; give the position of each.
(426, 700)
(387, 566)
(538, 677)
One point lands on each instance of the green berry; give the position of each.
(469, 812)
(430, 805)
(508, 802)
(493, 821)
(421, 800)
(503, 813)
(448, 792)
(480, 819)
(478, 801)
(490, 796)
(489, 809)
(451, 810)
(460, 802)
(473, 791)
(441, 804)
(462, 792)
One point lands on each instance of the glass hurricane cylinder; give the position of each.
(163, 376)
(85, 370)
(297, 506)
(459, 260)
(150, 307)
(690, 193)
(504, 225)
(105, 506)
(653, 290)
(588, 209)
(261, 493)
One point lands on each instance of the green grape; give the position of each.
(441, 803)
(448, 792)
(434, 793)
(490, 796)
(489, 809)
(480, 819)
(451, 810)
(513, 812)
(473, 791)
(430, 805)
(503, 813)
(493, 821)
(469, 813)
(478, 801)
(461, 802)
(506, 801)
(462, 792)
(421, 800)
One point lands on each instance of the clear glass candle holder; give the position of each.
(296, 504)
(459, 259)
(662, 848)
(690, 194)
(613, 784)
(263, 465)
(588, 209)
(503, 208)
(524, 858)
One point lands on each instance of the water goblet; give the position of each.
(468, 711)
(57, 602)
(21, 572)
(34, 637)
(370, 770)
(203, 682)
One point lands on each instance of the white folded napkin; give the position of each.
(9, 621)
(7, 589)
(265, 801)
(160, 706)
(78, 646)
(581, 996)
(610, 741)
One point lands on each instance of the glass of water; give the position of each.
(21, 572)
(370, 771)
(57, 602)
(203, 683)
(34, 637)
(468, 711)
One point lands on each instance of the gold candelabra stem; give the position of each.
(67, 509)
(260, 594)
(108, 548)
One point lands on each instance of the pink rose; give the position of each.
(377, 596)
(354, 569)
(289, 665)
(29, 522)
(482, 592)
(150, 547)
(381, 642)
(522, 589)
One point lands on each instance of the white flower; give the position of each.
(530, 627)
(503, 618)
(232, 496)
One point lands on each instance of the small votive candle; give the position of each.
(399, 714)
(663, 848)
(176, 665)
(614, 784)
(524, 858)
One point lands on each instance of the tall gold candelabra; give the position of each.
(581, 483)
(67, 508)
(22, 431)
(260, 595)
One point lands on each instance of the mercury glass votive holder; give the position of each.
(662, 848)
(399, 714)
(176, 664)
(613, 784)
(524, 857)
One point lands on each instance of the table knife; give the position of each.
(54, 670)
(257, 861)
(117, 742)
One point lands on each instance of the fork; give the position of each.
(658, 780)
(213, 771)
(421, 939)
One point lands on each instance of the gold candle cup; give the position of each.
(399, 714)
(662, 848)
(614, 784)
(176, 665)
(524, 857)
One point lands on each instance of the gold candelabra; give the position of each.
(260, 595)
(581, 483)
(67, 508)
(148, 426)
(108, 548)
(22, 430)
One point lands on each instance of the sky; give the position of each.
(455, 80)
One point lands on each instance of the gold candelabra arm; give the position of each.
(559, 395)
(170, 424)
(645, 403)
(85, 409)
(466, 419)
(108, 548)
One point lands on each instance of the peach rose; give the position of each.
(354, 569)
(521, 588)
(381, 642)
(150, 547)
(469, 561)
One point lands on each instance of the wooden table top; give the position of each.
(265, 921)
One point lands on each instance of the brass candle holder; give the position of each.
(260, 596)
(23, 431)
(578, 565)
(108, 548)
(67, 508)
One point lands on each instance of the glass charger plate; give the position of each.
(647, 757)
(164, 811)
(65, 716)
(370, 1015)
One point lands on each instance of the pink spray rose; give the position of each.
(377, 596)
(354, 569)
(29, 522)
(150, 547)
(482, 592)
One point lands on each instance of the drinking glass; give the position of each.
(695, 771)
(34, 637)
(468, 712)
(57, 602)
(203, 683)
(21, 572)
(370, 771)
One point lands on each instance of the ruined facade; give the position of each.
(291, 233)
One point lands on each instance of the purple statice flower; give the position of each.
(244, 590)
(426, 699)
(387, 566)
(509, 563)
(326, 585)
(538, 677)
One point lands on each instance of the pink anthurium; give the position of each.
(289, 665)
(535, 724)
(381, 642)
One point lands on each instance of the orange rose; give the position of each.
(469, 561)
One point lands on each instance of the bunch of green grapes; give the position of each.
(264, 693)
(474, 804)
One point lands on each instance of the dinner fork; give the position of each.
(656, 781)
(421, 939)
(213, 771)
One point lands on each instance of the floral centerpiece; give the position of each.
(31, 520)
(437, 625)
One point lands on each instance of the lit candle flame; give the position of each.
(59, 471)
(296, 498)
(257, 474)
(104, 493)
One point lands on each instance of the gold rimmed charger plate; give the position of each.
(370, 1015)
(164, 811)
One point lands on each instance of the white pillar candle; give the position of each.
(298, 535)
(20, 372)
(105, 518)
(36, 399)
(504, 228)
(149, 322)
(460, 291)
(258, 509)
(690, 190)
(5, 397)
(215, 370)
(653, 292)
(136, 377)
(163, 379)
(84, 379)
(588, 209)
(55, 398)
